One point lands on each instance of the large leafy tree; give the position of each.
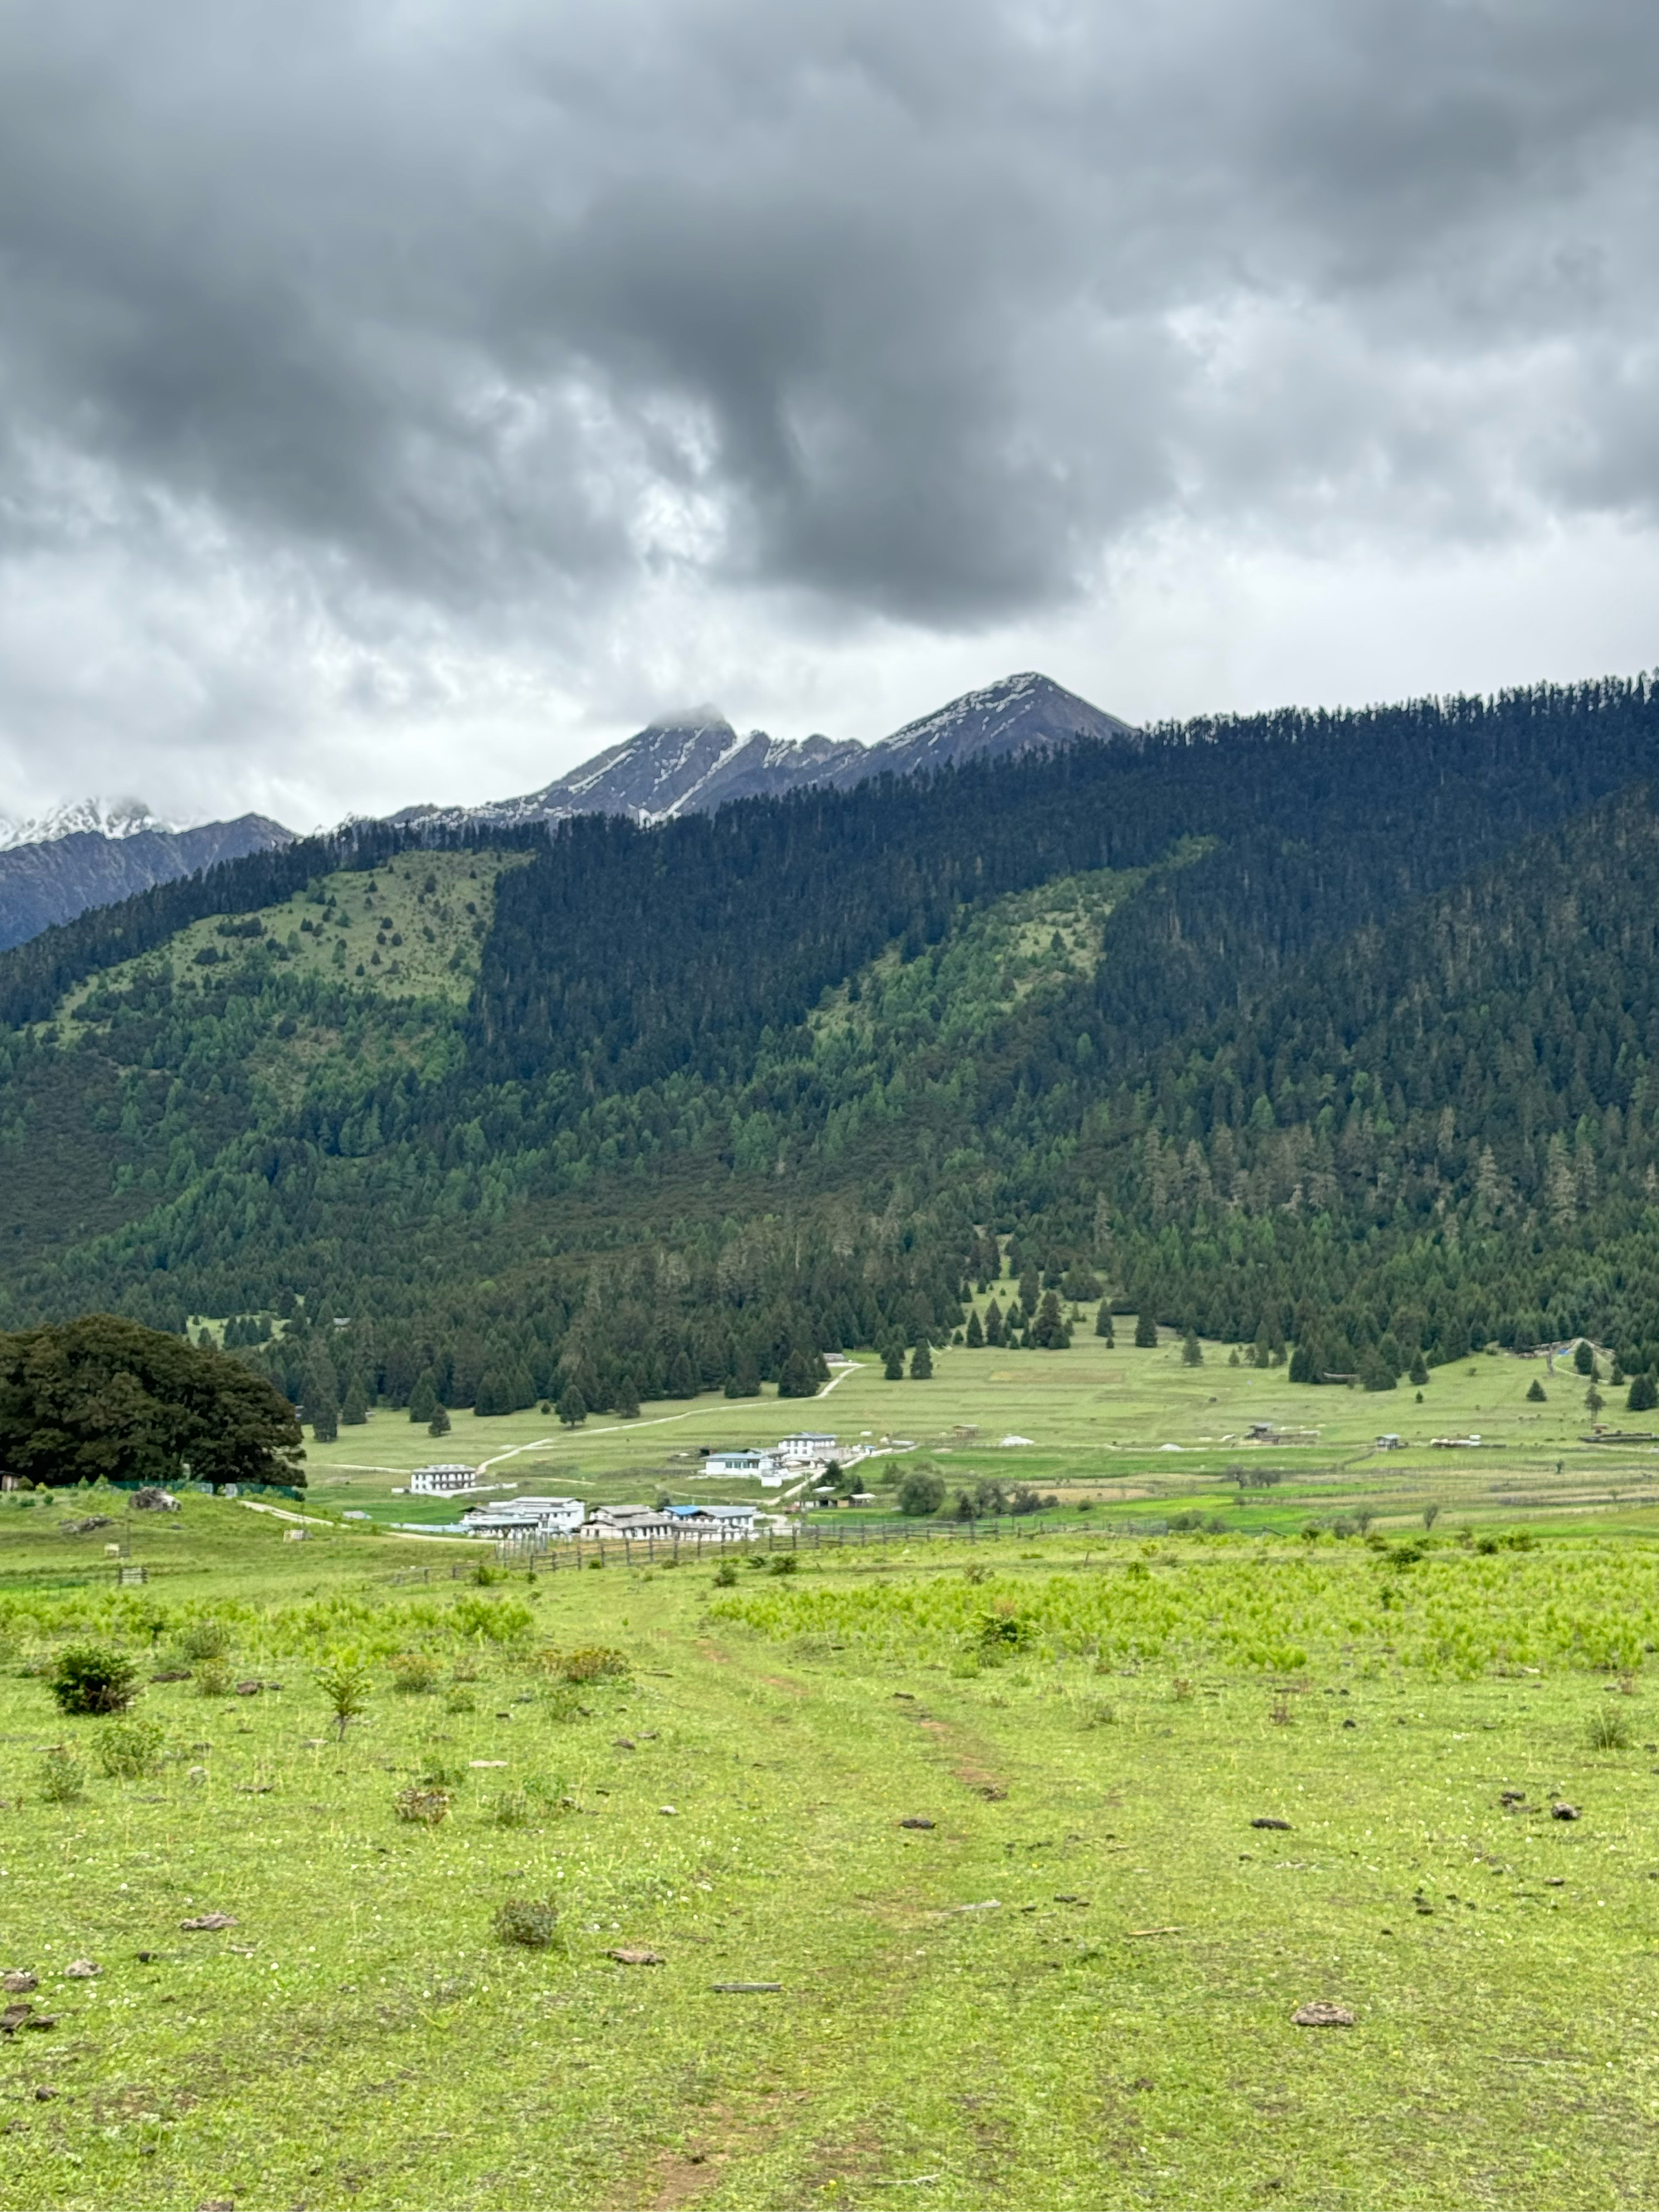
(104, 1397)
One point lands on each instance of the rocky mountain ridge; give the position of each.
(695, 763)
(54, 876)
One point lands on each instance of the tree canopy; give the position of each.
(103, 1398)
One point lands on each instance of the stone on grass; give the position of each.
(1562, 1811)
(82, 1970)
(915, 1820)
(19, 1982)
(672, 1811)
(209, 1921)
(45, 2094)
(627, 1956)
(23, 2015)
(1269, 1820)
(1321, 2013)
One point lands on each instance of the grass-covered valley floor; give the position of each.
(1074, 1988)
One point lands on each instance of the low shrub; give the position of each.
(425, 1807)
(205, 1640)
(128, 1750)
(725, 1575)
(1609, 1730)
(785, 1563)
(413, 1675)
(214, 1679)
(90, 1678)
(63, 1778)
(593, 1662)
(513, 1809)
(532, 1923)
(460, 1701)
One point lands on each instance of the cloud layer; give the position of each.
(377, 379)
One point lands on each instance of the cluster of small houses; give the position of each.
(800, 1458)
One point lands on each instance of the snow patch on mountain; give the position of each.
(112, 817)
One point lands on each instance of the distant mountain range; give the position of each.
(90, 853)
(87, 853)
(695, 763)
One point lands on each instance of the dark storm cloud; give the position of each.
(913, 310)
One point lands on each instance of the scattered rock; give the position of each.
(45, 2094)
(217, 2204)
(915, 1822)
(208, 1920)
(992, 1792)
(1321, 2015)
(85, 1528)
(745, 1988)
(672, 1811)
(1269, 1820)
(249, 1689)
(1353, 1724)
(1066, 1897)
(19, 1982)
(152, 1500)
(486, 1762)
(1555, 1882)
(1511, 1797)
(1562, 1811)
(172, 1674)
(23, 2015)
(625, 1743)
(627, 1956)
(82, 1970)
(255, 1789)
(147, 1958)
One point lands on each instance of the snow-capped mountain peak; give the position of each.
(112, 817)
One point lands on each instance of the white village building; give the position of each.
(439, 1482)
(524, 1517)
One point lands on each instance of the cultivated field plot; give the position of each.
(999, 1881)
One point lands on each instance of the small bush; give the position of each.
(205, 1640)
(460, 1701)
(532, 1923)
(1609, 1730)
(593, 1662)
(63, 1778)
(725, 1575)
(513, 1809)
(1181, 1689)
(413, 1673)
(343, 1680)
(215, 1680)
(784, 1563)
(438, 1772)
(128, 1750)
(426, 1809)
(90, 1678)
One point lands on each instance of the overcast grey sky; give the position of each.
(401, 398)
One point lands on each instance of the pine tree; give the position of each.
(1420, 1374)
(922, 1362)
(573, 1407)
(1192, 1352)
(893, 1363)
(1145, 1331)
(994, 1331)
(627, 1407)
(423, 1398)
(1643, 1395)
(1047, 1331)
(355, 1411)
(1103, 1323)
(439, 1424)
(798, 1379)
(322, 1411)
(1535, 1392)
(975, 1338)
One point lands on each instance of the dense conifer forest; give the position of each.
(1331, 1032)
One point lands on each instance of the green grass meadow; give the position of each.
(1075, 1988)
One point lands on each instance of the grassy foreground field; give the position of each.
(1074, 1988)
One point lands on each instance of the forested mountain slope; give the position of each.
(1328, 1028)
